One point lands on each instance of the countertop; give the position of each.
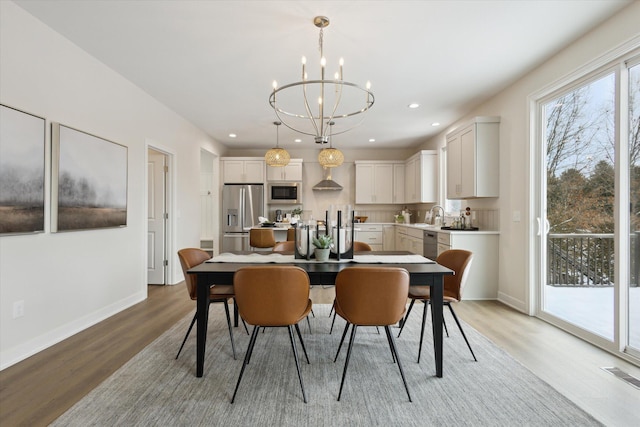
(420, 226)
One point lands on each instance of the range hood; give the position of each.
(327, 184)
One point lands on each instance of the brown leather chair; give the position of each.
(288, 246)
(262, 238)
(371, 296)
(189, 258)
(291, 234)
(269, 296)
(361, 247)
(357, 247)
(459, 261)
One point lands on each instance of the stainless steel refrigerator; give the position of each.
(242, 204)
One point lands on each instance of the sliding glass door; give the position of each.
(588, 175)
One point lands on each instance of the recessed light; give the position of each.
(232, 135)
(414, 105)
(435, 124)
(372, 140)
(297, 140)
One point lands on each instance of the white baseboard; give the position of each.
(512, 302)
(27, 349)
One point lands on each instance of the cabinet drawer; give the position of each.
(444, 238)
(415, 232)
(369, 227)
(370, 237)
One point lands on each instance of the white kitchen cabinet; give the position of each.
(374, 182)
(421, 177)
(243, 170)
(291, 172)
(370, 234)
(388, 237)
(398, 183)
(482, 282)
(473, 160)
(409, 239)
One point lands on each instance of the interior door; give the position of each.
(156, 220)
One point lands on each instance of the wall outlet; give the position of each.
(18, 309)
(516, 216)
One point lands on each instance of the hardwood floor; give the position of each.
(37, 390)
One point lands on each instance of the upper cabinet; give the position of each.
(291, 172)
(473, 160)
(375, 182)
(242, 170)
(421, 177)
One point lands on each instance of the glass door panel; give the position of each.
(580, 200)
(634, 201)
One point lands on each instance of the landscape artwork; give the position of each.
(89, 181)
(22, 151)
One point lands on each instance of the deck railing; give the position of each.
(587, 259)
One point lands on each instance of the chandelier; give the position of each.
(277, 156)
(330, 157)
(335, 98)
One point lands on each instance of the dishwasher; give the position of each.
(430, 244)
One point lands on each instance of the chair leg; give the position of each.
(312, 313)
(406, 317)
(445, 326)
(346, 363)
(332, 307)
(193, 321)
(393, 356)
(247, 356)
(245, 326)
(308, 323)
(424, 320)
(302, 342)
(344, 334)
(233, 346)
(463, 334)
(394, 350)
(295, 356)
(332, 322)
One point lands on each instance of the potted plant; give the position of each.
(296, 213)
(322, 245)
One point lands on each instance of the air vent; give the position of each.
(628, 378)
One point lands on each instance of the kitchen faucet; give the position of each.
(433, 218)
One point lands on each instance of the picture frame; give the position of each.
(22, 172)
(89, 181)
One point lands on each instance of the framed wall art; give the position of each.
(22, 165)
(88, 181)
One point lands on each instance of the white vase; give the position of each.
(321, 254)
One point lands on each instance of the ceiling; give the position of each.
(213, 62)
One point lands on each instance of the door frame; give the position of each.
(170, 225)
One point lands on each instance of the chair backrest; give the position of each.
(361, 246)
(262, 238)
(189, 258)
(271, 295)
(372, 295)
(459, 261)
(291, 234)
(284, 247)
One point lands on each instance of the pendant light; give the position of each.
(277, 156)
(330, 157)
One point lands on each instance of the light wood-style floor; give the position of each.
(36, 391)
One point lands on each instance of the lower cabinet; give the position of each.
(409, 239)
(482, 280)
(371, 235)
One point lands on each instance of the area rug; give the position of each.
(154, 389)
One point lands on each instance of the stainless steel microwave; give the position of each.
(284, 193)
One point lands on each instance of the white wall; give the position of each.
(511, 105)
(69, 281)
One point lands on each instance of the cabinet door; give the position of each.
(254, 171)
(388, 238)
(275, 173)
(410, 180)
(293, 171)
(428, 178)
(365, 187)
(398, 183)
(233, 171)
(453, 167)
(468, 163)
(383, 183)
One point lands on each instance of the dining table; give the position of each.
(221, 269)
